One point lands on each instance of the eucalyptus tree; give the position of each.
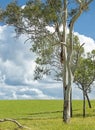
(85, 76)
(36, 18)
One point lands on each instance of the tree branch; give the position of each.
(77, 58)
(14, 121)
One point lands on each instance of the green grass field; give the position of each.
(45, 115)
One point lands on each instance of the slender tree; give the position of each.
(85, 76)
(35, 19)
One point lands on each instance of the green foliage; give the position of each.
(12, 14)
(40, 71)
(52, 11)
(33, 20)
(49, 57)
(35, 12)
(32, 10)
(85, 73)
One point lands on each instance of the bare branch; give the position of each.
(79, 1)
(14, 121)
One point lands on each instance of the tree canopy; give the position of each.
(35, 19)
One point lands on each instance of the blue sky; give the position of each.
(3, 3)
(17, 62)
(84, 25)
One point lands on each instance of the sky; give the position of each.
(17, 62)
(86, 22)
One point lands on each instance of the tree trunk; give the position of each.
(67, 74)
(89, 103)
(71, 103)
(67, 111)
(83, 103)
(66, 69)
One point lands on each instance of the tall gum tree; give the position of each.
(35, 18)
(67, 75)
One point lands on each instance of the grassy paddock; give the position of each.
(45, 115)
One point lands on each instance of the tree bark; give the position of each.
(71, 103)
(67, 53)
(66, 69)
(84, 103)
(89, 103)
(67, 110)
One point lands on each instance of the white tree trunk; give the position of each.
(66, 70)
(67, 99)
(67, 53)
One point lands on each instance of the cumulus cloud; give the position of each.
(89, 42)
(17, 66)
(16, 69)
(16, 61)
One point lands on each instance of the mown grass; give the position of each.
(45, 115)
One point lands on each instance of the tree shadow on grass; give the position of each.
(79, 113)
(76, 109)
(48, 112)
(50, 115)
(42, 115)
(76, 113)
(39, 118)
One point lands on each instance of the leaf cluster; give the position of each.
(49, 56)
(12, 14)
(85, 73)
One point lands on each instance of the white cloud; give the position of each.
(89, 42)
(17, 66)
(51, 29)
(16, 60)
(24, 96)
(14, 96)
(76, 92)
(2, 94)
